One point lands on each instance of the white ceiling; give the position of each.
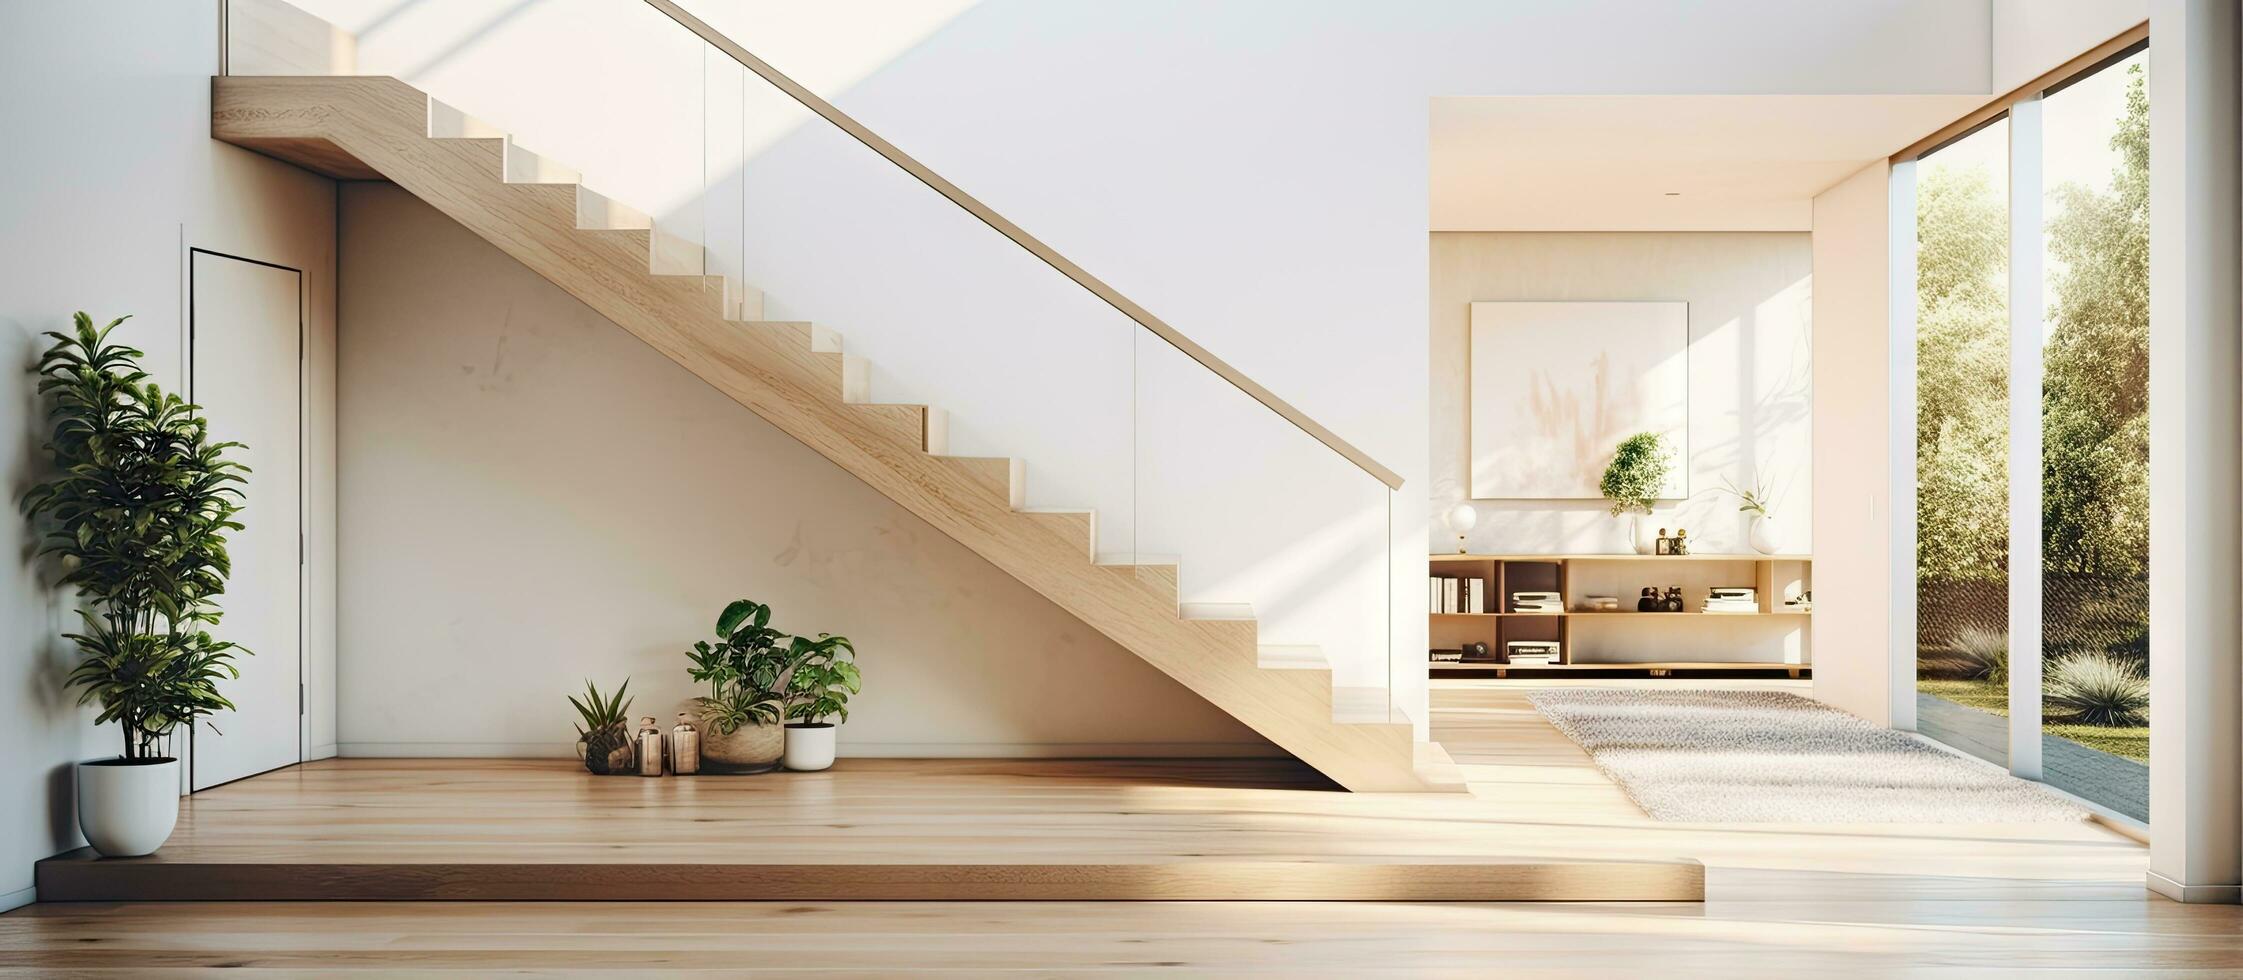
(1610, 163)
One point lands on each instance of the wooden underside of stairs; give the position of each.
(795, 376)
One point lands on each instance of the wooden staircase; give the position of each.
(794, 375)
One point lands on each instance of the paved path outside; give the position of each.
(2113, 781)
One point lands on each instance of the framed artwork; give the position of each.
(1556, 386)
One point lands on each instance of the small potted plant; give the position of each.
(1765, 535)
(603, 731)
(744, 669)
(822, 675)
(136, 516)
(1632, 483)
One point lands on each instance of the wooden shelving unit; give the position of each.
(1608, 646)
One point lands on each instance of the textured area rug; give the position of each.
(1773, 757)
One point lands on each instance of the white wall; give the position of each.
(2032, 37)
(111, 174)
(532, 497)
(1253, 171)
(1853, 496)
(2196, 380)
(1749, 386)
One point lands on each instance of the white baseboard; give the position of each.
(18, 898)
(2193, 894)
(319, 752)
(859, 750)
(455, 750)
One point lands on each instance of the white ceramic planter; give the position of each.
(810, 746)
(127, 810)
(1766, 536)
(1640, 536)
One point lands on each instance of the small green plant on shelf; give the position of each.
(822, 676)
(603, 728)
(1637, 473)
(743, 667)
(1750, 500)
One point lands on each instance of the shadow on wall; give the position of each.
(46, 707)
(1750, 391)
(599, 506)
(776, 196)
(1174, 461)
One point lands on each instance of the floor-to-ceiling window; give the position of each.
(2095, 436)
(1962, 441)
(2032, 434)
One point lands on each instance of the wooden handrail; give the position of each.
(1027, 241)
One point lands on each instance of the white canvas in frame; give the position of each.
(1556, 386)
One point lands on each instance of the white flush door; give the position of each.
(245, 368)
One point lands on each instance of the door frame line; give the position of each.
(303, 646)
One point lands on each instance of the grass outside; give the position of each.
(2131, 743)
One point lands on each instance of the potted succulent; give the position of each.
(822, 675)
(744, 668)
(603, 731)
(1632, 483)
(137, 516)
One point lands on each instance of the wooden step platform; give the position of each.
(534, 830)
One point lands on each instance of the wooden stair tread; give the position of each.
(1291, 657)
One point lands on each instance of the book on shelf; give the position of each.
(1456, 595)
(1531, 653)
(1445, 656)
(1732, 599)
(1537, 602)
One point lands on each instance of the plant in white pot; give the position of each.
(136, 516)
(823, 675)
(1632, 483)
(741, 714)
(1765, 535)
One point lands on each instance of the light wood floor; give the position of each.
(1781, 900)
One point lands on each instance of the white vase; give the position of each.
(810, 746)
(1640, 536)
(128, 809)
(1765, 535)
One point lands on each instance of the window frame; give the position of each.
(2025, 203)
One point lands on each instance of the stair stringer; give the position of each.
(382, 124)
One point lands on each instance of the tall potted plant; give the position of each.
(744, 669)
(136, 517)
(822, 675)
(1632, 483)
